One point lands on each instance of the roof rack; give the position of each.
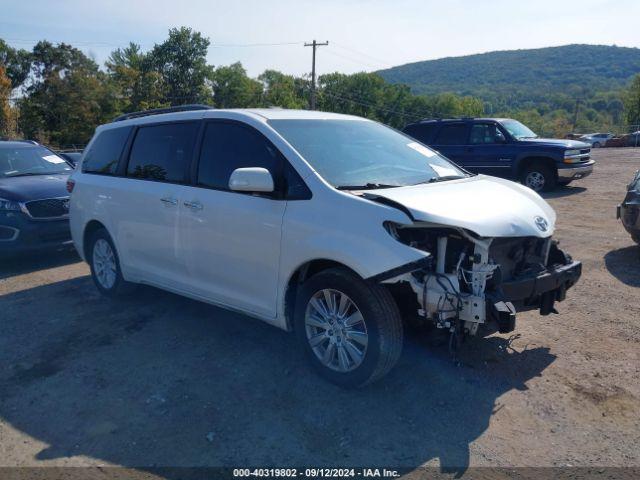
(438, 119)
(158, 111)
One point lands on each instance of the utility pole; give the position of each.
(312, 98)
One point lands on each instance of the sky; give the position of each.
(362, 35)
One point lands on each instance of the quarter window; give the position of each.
(162, 152)
(104, 154)
(227, 146)
(422, 132)
(455, 134)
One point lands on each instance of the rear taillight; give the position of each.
(70, 185)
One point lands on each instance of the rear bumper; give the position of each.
(579, 171)
(20, 234)
(543, 290)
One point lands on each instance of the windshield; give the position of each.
(517, 129)
(30, 160)
(361, 154)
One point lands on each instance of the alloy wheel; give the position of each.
(336, 330)
(104, 264)
(535, 181)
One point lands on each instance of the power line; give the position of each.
(353, 50)
(84, 43)
(351, 59)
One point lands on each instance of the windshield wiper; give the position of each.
(444, 178)
(366, 186)
(26, 174)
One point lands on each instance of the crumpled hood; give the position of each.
(487, 206)
(556, 142)
(34, 187)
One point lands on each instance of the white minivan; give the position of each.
(333, 226)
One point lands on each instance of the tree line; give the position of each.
(58, 95)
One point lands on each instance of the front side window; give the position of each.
(104, 154)
(20, 161)
(227, 146)
(454, 134)
(162, 152)
(485, 133)
(359, 154)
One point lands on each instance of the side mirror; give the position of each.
(253, 179)
(500, 138)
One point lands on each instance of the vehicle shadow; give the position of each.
(624, 264)
(27, 263)
(563, 191)
(159, 380)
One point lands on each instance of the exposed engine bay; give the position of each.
(468, 281)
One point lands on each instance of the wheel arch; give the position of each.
(531, 159)
(298, 277)
(91, 227)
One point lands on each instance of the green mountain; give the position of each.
(522, 78)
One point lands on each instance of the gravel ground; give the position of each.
(162, 380)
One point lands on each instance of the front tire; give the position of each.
(351, 330)
(539, 177)
(105, 266)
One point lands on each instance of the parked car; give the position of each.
(506, 148)
(72, 157)
(629, 210)
(596, 140)
(34, 202)
(333, 226)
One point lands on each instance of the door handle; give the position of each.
(193, 205)
(169, 201)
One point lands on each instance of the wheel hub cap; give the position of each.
(535, 181)
(336, 330)
(104, 264)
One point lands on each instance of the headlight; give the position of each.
(571, 153)
(9, 205)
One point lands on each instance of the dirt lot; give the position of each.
(161, 380)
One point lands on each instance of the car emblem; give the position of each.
(65, 205)
(541, 223)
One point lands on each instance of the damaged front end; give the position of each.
(467, 281)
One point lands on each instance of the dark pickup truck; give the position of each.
(506, 148)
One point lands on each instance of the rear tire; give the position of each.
(539, 177)
(105, 266)
(351, 330)
(596, 145)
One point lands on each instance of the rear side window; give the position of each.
(105, 151)
(227, 146)
(162, 152)
(422, 132)
(454, 134)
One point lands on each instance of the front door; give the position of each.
(487, 150)
(232, 239)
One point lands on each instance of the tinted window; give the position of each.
(105, 151)
(162, 152)
(227, 146)
(455, 134)
(485, 133)
(422, 132)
